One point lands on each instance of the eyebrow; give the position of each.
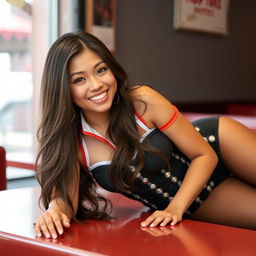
(82, 72)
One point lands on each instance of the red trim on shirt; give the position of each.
(99, 138)
(140, 118)
(83, 153)
(171, 121)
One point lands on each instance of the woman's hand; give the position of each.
(163, 218)
(51, 223)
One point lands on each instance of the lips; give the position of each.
(98, 97)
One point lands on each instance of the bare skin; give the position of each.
(93, 88)
(234, 201)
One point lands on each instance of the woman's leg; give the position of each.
(238, 149)
(233, 202)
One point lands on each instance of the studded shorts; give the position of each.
(208, 128)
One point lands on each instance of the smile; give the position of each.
(98, 97)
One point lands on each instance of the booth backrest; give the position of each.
(2, 169)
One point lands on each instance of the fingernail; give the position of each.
(152, 225)
(47, 236)
(38, 234)
(54, 236)
(60, 232)
(142, 224)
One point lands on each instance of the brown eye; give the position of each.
(102, 70)
(78, 80)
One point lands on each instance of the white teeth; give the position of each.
(98, 97)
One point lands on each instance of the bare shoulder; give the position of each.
(148, 95)
(151, 104)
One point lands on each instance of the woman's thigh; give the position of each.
(238, 149)
(232, 203)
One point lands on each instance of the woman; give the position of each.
(132, 140)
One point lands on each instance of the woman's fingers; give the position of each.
(167, 220)
(58, 224)
(51, 224)
(38, 230)
(65, 220)
(157, 221)
(175, 220)
(43, 223)
(161, 218)
(148, 221)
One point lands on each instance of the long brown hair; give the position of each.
(59, 131)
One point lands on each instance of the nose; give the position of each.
(95, 84)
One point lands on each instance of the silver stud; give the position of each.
(197, 199)
(159, 191)
(145, 180)
(167, 174)
(188, 212)
(152, 186)
(211, 138)
(212, 183)
(179, 183)
(177, 157)
(183, 160)
(165, 194)
(174, 179)
(209, 188)
(170, 198)
(197, 128)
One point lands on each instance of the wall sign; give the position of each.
(201, 15)
(100, 21)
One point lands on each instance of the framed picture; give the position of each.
(100, 21)
(201, 15)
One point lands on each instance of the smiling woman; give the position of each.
(93, 85)
(131, 140)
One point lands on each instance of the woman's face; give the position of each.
(93, 85)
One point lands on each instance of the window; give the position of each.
(27, 29)
(16, 86)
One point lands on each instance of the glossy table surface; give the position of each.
(121, 236)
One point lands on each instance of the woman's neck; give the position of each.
(98, 121)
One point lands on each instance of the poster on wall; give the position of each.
(100, 21)
(201, 15)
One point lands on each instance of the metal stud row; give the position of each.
(168, 174)
(210, 138)
(141, 199)
(182, 159)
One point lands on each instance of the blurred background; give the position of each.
(199, 72)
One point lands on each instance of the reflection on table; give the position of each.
(121, 236)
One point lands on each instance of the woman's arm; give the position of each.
(190, 142)
(59, 213)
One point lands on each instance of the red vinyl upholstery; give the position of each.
(2, 169)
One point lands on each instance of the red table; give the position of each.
(120, 237)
